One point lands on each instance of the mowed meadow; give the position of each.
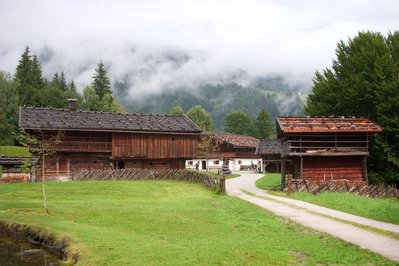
(170, 223)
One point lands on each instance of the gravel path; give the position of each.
(319, 218)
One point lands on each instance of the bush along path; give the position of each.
(323, 219)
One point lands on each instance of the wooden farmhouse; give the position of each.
(325, 148)
(99, 140)
(238, 149)
(270, 152)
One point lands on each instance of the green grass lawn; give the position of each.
(269, 181)
(14, 151)
(216, 174)
(171, 223)
(381, 209)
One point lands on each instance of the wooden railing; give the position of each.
(310, 148)
(80, 146)
(210, 182)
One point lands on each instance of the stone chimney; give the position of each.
(72, 104)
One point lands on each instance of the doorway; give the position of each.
(203, 165)
(120, 165)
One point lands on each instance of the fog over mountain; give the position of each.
(156, 46)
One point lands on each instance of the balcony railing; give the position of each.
(324, 148)
(79, 146)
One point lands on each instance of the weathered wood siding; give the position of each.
(153, 146)
(156, 164)
(62, 164)
(338, 168)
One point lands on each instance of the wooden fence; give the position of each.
(212, 183)
(299, 185)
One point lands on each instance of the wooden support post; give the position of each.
(68, 167)
(289, 183)
(283, 165)
(366, 178)
(58, 166)
(301, 169)
(261, 166)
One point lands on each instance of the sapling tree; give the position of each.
(207, 145)
(42, 145)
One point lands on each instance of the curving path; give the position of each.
(320, 218)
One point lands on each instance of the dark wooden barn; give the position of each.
(99, 140)
(12, 164)
(270, 152)
(326, 148)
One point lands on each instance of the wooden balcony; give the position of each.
(324, 148)
(80, 146)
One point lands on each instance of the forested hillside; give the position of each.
(219, 100)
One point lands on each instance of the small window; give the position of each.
(215, 162)
(190, 162)
(239, 162)
(120, 165)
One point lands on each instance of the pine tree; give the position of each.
(23, 75)
(101, 83)
(263, 125)
(56, 80)
(63, 84)
(29, 80)
(37, 75)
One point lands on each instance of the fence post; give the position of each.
(289, 183)
(222, 184)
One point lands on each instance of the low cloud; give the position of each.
(156, 45)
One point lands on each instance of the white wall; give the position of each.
(234, 164)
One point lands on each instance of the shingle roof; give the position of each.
(268, 147)
(6, 160)
(65, 119)
(326, 124)
(235, 139)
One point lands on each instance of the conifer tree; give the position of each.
(101, 82)
(263, 125)
(63, 84)
(56, 80)
(29, 80)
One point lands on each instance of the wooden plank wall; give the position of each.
(153, 146)
(87, 136)
(318, 168)
(156, 164)
(62, 164)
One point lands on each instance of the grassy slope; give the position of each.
(166, 222)
(216, 174)
(381, 209)
(269, 181)
(14, 151)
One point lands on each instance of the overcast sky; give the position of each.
(207, 39)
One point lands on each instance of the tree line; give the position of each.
(363, 81)
(28, 87)
(237, 121)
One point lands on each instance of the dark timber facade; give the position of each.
(325, 148)
(270, 151)
(99, 140)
